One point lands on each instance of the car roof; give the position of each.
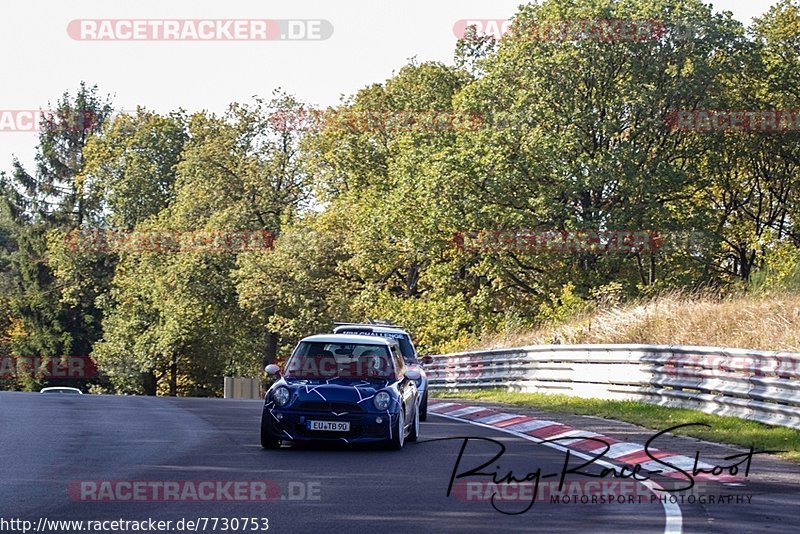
(59, 388)
(350, 338)
(371, 327)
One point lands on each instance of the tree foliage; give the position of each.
(367, 199)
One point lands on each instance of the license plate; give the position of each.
(329, 426)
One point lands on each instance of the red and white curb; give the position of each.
(540, 429)
(523, 425)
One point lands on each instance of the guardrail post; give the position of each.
(242, 388)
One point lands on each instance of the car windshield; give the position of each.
(403, 339)
(344, 360)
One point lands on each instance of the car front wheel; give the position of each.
(423, 407)
(398, 436)
(413, 435)
(268, 441)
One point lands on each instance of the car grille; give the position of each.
(338, 407)
(356, 430)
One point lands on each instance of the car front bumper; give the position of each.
(365, 427)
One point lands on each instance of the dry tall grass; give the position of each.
(764, 322)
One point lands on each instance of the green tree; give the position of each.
(578, 140)
(128, 178)
(38, 204)
(178, 314)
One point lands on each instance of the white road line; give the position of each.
(674, 518)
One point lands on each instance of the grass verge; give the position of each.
(730, 430)
(769, 321)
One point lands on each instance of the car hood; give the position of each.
(335, 390)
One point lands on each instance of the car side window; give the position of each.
(399, 362)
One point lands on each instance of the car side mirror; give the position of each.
(273, 369)
(427, 360)
(413, 374)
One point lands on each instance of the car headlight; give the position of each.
(280, 396)
(382, 400)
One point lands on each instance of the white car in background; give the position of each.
(62, 390)
(403, 338)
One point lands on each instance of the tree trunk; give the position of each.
(173, 376)
(271, 354)
(745, 264)
(149, 383)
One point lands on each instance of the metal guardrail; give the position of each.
(757, 385)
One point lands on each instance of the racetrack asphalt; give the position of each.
(53, 444)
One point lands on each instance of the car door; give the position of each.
(406, 387)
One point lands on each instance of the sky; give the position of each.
(370, 40)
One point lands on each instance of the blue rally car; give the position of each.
(350, 388)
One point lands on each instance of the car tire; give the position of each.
(413, 434)
(268, 441)
(423, 407)
(398, 437)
